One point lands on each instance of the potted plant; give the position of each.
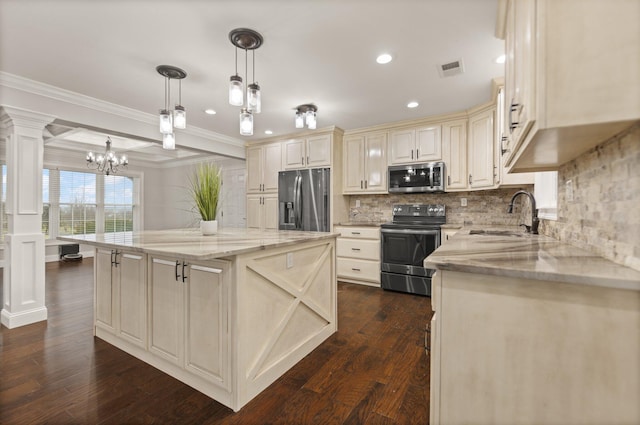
(205, 185)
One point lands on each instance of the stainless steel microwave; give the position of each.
(416, 178)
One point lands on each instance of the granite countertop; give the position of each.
(507, 251)
(190, 244)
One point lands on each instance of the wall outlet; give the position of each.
(357, 203)
(463, 202)
(289, 260)
(569, 190)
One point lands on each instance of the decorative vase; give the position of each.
(209, 227)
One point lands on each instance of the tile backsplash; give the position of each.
(604, 215)
(485, 207)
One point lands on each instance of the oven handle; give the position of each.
(412, 231)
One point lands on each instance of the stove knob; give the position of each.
(431, 209)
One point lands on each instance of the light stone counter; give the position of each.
(191, 245)
(522, 255)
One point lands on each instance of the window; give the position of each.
(76, 202)
(118, 204)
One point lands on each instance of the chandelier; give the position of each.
(169, 120)
(108, 162)
(306, 114)
(246, 39)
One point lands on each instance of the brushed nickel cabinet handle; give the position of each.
(354, 269)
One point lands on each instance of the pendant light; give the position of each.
(306, 114)
(246, 39)
(178, 117)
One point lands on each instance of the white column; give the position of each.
(24, 259)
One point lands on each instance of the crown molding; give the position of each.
(46, 90)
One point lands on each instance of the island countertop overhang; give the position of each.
(190, 244)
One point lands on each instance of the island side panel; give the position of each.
(286, 307)
(528, 351)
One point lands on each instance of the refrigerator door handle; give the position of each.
(297, 199)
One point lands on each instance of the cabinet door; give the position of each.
(481, 168)
(271, 166)
(454, 141)
(428, 144)
(318, 151)
(207, 334)
(166, 294)
(254, 169)
(270, 212)
(294, 154)
(104, 289)
(353, 166)
(132, 305)
(254, 211)
(402, 147)
(376, 163)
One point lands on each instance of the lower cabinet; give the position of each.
(358, 254)
(189, 315)
(120, 292)
(262, 211)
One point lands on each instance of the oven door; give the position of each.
(403, 250)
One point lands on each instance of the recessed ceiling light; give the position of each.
(384, 58)
(209, 111)
(501, 59)
(268, 132)
(412, 105)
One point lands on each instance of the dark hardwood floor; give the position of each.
(374, 370)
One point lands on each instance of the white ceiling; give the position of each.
(320, 52)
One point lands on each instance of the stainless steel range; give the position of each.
(413, 234)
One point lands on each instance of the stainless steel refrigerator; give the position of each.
(304, 199)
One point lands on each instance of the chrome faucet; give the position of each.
(535, 221)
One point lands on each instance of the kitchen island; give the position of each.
(529, 330)
(226, 314)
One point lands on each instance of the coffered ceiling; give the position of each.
(320, 52)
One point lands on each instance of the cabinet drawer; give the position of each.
(359, 269)
(358, 232)
(356, 248)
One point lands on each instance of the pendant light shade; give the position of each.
(179, 117)
(168, 141)
(236, 91)
(246, 123)
(299, 120)
(166, 124)
(253, 98)
(311, 120)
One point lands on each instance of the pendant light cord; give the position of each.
(253, 63)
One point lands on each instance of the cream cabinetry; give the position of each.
(421, 144)
(454, 140)
(263, 164)
(189, 315)
(310, 152)
(120, 294)
(365, 163)
(553, 362)
(482, 170)
(262, 211)
(358, 254)
(567, 90)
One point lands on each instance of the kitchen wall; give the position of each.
(485, 207)
(604, 215)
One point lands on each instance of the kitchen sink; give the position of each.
(495, 232)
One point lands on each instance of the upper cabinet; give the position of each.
(263, 164)
(310, 152)
(422, 144)
(482, 170)
(365, 163)
(454, 141)
(567, 87)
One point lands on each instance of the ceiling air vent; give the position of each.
(452, 68)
